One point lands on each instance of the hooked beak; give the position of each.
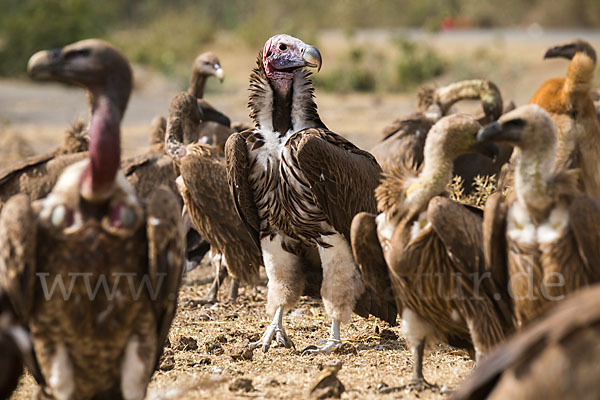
(497, 132)
(219, 73)
(44, 64)
(565, 51)
(312, 57)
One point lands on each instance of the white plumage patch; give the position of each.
(342, 284)
(419, 225)
(521, 228)
(385, 229)
(554, 226)
(134, 377)
(61, 374)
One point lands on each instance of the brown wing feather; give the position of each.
(166, 248)
(238, 169)
(18, 242)
(369, 256)
(460, 229)
(571, 324)
(18, 234)
(23, 165)
(584, 220)
(342, 177)
(212, 211)
(494, 240)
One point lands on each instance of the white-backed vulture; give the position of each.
(404, 139)
(569, 103)
(296, 186)
(203, 186)
(556, 358)
(215, 127)
(120, 259)
(432, 249)
(542, 241)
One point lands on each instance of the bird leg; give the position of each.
(234, 285)
(221, 274)
(274, 330)
(330, 344)
(418, 382)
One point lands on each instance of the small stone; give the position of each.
(214, 348)
(328, 384)
(221, 339)
(273, 383)
(186, 343)
(241, 385)
(242, 353)
(167, 364)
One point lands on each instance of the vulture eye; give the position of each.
(206, 63)
(283, 47)
(77, 53)
(122, 216)
(61, 217)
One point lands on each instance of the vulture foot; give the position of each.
(274, 331)
(420, 384)
(330, 344)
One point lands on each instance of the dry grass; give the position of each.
(484, 187)
(374, 355)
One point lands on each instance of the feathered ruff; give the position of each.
(391, 193)
(260, 101)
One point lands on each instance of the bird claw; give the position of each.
(273, 332)
(420, 384)
(327, 348)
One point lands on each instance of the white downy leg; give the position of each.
(342, 286)
(284, 289)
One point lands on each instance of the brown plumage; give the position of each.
(543, 240)
(296, 186)
(36, 175)
(203, 186)
(14, 342)
(432, 248)
(147, 171)
(120, 259)
(569, 103)
(404, 139)
(555, 358)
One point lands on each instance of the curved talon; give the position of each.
(273, 331)
(329, 346)
(420, 384)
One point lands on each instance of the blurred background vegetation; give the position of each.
(165, 35)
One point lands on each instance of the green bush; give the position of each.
(416, 64)
(355, 73)
(27, 26)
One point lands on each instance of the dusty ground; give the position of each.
(199, 363)
(205, 339)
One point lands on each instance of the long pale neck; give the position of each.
(197, 84)
(432, 181)
(104, 149)
(531, 179)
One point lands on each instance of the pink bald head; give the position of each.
(283, 55)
